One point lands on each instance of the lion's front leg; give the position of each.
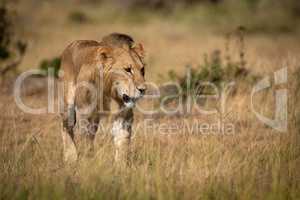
(69, 147)
(68, 122)
(121, 132)
(87, 127)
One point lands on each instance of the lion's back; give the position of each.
(75, 55)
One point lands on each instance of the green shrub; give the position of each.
(4, 54)
(216, 70)
(50, 66)
(4, 33)
(12, 47)
(213, 71)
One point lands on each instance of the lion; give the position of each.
(94, 74)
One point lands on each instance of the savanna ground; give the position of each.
(171, 162)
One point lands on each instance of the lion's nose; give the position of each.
(126, 98)
(142, 89)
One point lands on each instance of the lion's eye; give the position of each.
(143, 71)
(128, 69)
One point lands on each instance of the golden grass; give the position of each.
(256, 162)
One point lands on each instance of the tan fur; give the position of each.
(94, 73)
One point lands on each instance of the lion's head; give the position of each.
(125, 68)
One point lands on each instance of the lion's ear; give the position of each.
(139, 49)
(105, 53)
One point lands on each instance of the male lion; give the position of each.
(94, 74)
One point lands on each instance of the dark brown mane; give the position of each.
(118, 40)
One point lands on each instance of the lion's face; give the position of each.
(127, 77)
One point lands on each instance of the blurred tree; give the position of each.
(4, 33)
(12, 49)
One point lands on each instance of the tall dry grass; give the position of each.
(254, 162)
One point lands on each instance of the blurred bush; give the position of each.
(50, 66)
(213, 71)
(216, 69)
(4, 33)
(12, 48)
